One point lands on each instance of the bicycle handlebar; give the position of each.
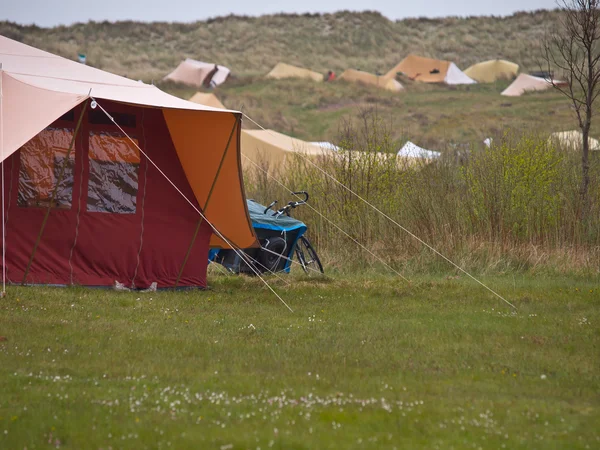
(290, 205)
(273, 203)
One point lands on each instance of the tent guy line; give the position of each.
(393, 221)
(330, 221)
(94, 101)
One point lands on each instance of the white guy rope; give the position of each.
(392, 220)
(330, 222)
(217, 232)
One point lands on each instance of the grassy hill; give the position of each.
(435, 116)
(251, 46)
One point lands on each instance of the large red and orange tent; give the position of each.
(89, 202)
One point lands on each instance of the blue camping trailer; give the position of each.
(278, 235)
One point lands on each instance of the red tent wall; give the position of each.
(86, 247)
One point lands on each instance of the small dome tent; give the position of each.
(358, 76)
(493, 70)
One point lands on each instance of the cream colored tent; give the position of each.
(383, 82)
(429, 70)
(208, 99)
(572, 140)
(274, 150)
(525, 83)
(198, 73)
(493, 70)
(283, 70)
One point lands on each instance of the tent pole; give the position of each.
(2, 168)
(54, 192)
(189, 250)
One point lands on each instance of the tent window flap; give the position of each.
(113, 174)
(41, 161)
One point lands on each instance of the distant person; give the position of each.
(330, 76)
(208, 80)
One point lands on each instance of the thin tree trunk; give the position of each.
(585, 173)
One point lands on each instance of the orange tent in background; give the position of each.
(207, 99)
(383, 82)
(115, 216)
(430, 70)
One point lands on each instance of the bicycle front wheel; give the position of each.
(307, 257)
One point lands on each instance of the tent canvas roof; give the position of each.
(207, 99)
(492, 70)
(39, 87)
(430, 70)
(194, 73)
(283, 70)
(383, 82)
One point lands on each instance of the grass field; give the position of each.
(365, 361)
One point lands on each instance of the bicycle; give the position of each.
(306, 253)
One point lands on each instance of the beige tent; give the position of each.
(382, 82)
(525, 83)
(274, 150)
(572, 140)
(208, 99)
(198, 73)
(429, 70)
(493, 70)
(283, 70)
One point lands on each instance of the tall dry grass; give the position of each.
(513, 206)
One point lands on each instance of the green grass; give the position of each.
(365, 361)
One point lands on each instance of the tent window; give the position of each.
(41, 160)
(98, 117)
(113, 181)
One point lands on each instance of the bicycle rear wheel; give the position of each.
(307, 257)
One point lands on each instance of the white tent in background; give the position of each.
(572, 140)
(198, 73)
(326, 145)
(410, 150)
(457, 76)
(525, 83)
